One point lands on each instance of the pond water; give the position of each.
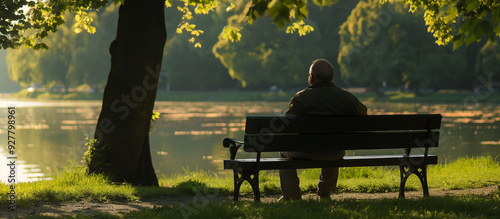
(51, 135)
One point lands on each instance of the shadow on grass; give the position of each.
(189, 187)
(441, 207)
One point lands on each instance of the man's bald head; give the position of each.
(322, 70)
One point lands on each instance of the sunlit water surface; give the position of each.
(188, 136)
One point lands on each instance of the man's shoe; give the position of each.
(285, 199)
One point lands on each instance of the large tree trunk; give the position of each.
(122, 149)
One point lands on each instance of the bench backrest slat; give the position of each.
(270, 134)
(256, 125)
(347, 141)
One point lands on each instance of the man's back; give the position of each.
(325, 99)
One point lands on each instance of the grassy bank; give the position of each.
(434, 207)
(73, 184)
(390, 96)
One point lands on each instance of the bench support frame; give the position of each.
(405, 132)
(406, 170)
(252, 177)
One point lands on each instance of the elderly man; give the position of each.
(321, 98)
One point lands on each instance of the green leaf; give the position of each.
(261, 6)
(481, 27)
(469, 26)
(470, 39)
(168, 3)
(472, 5)
(298, 16)
(281, 22)
(231, 33)
(457, 41)
(495, 15)
(274, 9)
(90, 29)
(304, 11)
(118, 1)
(443, 11)
(322, 3)
(451, 15)
(255, 14)
(40, 46)
(497, 30)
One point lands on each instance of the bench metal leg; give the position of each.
(251, 177)
(406, 171)
(238, 180)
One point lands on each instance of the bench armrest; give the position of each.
(233, 146)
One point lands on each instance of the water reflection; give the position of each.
(189, 134)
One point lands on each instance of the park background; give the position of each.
(372, 46)
(382, 53)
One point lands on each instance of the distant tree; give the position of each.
(53, 64)
(383, 43)
(73, 59)
(488, 68)
(86, 61)
(272, 57)
(6, 84)
(20, 68)
(197, 68)
(328, 27)
(267, 56)
(90, 56)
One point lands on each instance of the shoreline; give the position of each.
(450, 97)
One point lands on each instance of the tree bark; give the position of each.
(122, 149)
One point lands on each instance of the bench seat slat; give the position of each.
(346, 161)
(339, 141)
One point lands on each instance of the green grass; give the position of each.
(71, 184)
(462, 173)
(74, 184)
(434, 207)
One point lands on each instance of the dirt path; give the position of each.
(92, 208)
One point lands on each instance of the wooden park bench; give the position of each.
(274, 134)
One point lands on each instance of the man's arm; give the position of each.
(360, 108)
(294, 108)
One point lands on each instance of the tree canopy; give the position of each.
(460, 21)
(265, 56)
(24, 23)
